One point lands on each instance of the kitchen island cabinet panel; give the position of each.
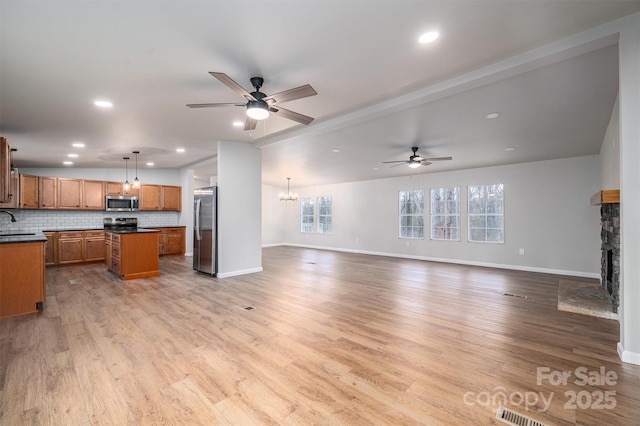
(22, 278)
(135, 254)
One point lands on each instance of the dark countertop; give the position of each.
(136, 231)
(22, 237)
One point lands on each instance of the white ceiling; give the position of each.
(379, 91)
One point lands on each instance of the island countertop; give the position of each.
(22, 236)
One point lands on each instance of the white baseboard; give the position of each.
(239, 272)
(456, 261)
(628, 356)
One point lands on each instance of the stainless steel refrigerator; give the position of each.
(205, 253)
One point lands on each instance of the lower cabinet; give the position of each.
(135, 255)
(64, 247)
(22, 278)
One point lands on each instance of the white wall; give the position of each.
(547, 212)
(273, 219)
(610, 152)
(150, 176)
(239, 209)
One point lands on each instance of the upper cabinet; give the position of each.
(93, 194)
(14, 195)
(171, 198)
(150, 197)
(43, 192)
(5, 171)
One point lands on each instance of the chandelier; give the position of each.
(288, 196)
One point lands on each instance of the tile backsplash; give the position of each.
(52, 220)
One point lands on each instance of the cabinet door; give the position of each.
(28, 192)
(70, 247)
(13, 193)
(174, 242)
(69, 193)
(94, 249)
(93, 194)
(131, 191)
(114, 188)
(172, 198)
(50, 248)
(22, 278)
(47, 190)
(5, 171)
(107, 251)
(149, 197)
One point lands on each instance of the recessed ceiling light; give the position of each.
(179, 149)
(510, 149)
(103, 103)
(492, 115)
(336, 150)
(77, 145)
(150, 164)
(238, 123)
(374, 168)
(72, 155)
(429, 37)
(67, 163)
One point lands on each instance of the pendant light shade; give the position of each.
(126, 171)
(258, 110)
(136, 181)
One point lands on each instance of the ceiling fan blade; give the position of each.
(400, 161)
(438, 159)
(232, 85)
(398, 164)
(425, 163)
(292, 94)
(212, 105)
(250, 124)
(291, 115)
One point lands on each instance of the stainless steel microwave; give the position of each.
(122, 203)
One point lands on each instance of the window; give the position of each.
(445, 214)
(324, 215)
(306, 215)
(411, 214)
(486, 213)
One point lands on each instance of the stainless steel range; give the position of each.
(120, 224)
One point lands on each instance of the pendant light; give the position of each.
(126, 170)
(136, 181)
(288, 196)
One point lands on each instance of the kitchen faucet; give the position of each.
(13, 218)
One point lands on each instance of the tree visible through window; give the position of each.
(445, 214)
(486, 213)
(411, 214)
(306, 215)
(324, 215)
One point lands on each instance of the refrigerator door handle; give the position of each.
(197, 224)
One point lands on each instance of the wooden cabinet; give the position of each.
(50, 257)
(28, 192)
(47, 192)
(22, 278)
(135, 255)
(107, 251)
(114, 188)
(14, 189)
(69, 193)
(70, 247)
(174, 242)
(94, 248)
(150, 197)
(171, 198)
(93, 194)
(5, 171)
(131, 191)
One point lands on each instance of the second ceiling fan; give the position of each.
(259, 105)
(416, 161)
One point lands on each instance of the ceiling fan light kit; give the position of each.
(259, 106)
(416, 160)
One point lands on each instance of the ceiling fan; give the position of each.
(416, 161)
(259, 105)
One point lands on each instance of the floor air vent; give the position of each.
(512, 418)
(515, 295)
(249, 308)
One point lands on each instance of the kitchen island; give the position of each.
(133, 254)
(22, 272)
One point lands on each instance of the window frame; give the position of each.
(416, 217)
(310, 226)
(489, 211)
(446, 214)
(320, 215)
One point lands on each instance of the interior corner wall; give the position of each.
(547, 213)
(274, 215)
(186, 215)
(239, 209)
(629, 314)
(610, 152)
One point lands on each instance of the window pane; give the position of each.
(477, 221)
(445, 213)
(486, 213)
(411, 214)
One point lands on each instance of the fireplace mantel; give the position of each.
(606, 196)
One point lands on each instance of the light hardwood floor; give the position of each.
(335, 338)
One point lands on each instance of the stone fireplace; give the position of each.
(609, 202)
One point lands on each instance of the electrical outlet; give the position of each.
(522, 251)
